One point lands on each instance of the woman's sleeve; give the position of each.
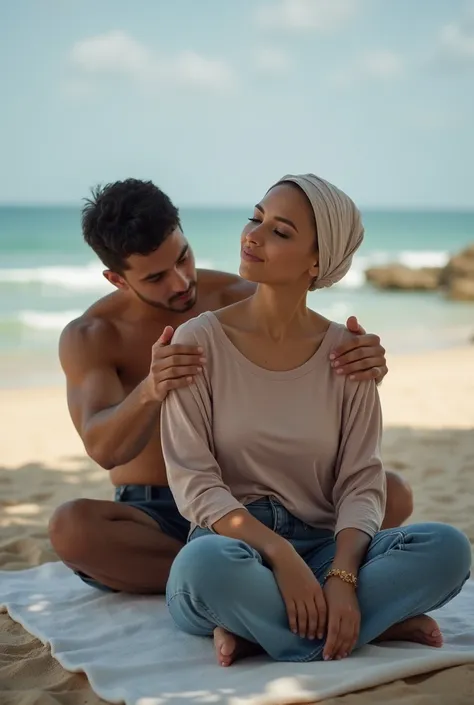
(193, 473)
(359, 493)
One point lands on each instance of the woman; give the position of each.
(276, 463)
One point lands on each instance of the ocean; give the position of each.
(48, 276)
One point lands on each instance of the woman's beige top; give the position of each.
(307, 437)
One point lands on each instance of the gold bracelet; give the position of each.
(342, 575)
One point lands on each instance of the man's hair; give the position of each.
(127, 218)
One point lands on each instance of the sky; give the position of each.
(214, 100)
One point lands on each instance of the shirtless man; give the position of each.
(119, 365)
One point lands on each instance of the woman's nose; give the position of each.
(255, 236)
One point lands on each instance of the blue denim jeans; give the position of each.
(219, 581)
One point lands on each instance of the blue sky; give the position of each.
(214, 99)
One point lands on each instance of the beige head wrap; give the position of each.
(338, 224)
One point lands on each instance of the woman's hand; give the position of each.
(343, 619)
(302, 594)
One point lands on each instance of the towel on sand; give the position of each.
(131, 652)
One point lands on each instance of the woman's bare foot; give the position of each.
(421, 629)
(230, 648)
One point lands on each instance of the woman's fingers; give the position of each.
(302, 617)
(355, 637)
(332, 638)
(292, 615)
(346, 637)
(322, 609)
(313, 617)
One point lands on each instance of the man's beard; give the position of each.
(186, 306)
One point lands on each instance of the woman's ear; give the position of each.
(313, 273)
(314, 270)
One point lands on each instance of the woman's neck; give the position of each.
(279, 313)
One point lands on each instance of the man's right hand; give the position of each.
(303, 595)
(172, 366)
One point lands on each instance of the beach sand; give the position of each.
(428, 403)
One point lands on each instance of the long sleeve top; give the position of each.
(307, 437)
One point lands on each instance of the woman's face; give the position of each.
(278, 246)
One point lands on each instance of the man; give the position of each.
(119, 366)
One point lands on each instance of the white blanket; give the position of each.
(131, 652)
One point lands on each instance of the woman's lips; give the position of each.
(249, 256)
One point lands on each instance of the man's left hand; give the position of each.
(362, 357)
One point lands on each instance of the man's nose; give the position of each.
(179, 282)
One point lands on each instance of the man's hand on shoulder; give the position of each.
(361, 357)
(172, 366)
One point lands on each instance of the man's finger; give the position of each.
(164, 362)
(374, 373)
(354, 326)
(164, 351)
(358, 366)
(365, 340)
(178, 372)
(168, 384)
(166, 336)
(362, 354)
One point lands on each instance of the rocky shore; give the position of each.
(455, 280)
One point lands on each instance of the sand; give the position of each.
(428, 403)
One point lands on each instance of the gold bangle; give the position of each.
(343, 575)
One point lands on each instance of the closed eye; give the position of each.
(285, 236)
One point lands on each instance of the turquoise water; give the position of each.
(48, 275)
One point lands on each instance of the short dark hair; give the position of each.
(126, 218)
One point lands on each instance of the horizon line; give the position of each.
(238, 206)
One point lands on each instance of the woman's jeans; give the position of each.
(219, 581)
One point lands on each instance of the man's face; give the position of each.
(165, 278)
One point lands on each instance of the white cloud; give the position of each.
(273, 61)
(113, 52)
(298, 15)
(456, 39)
(376, 65)
(116, 53)
(197, 70)
(381, 64)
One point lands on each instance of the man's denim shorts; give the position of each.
(159, 504)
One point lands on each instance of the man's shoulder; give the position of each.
(90, 335)
(229, 288)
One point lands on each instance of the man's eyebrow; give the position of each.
(155, 275)
(289, 222)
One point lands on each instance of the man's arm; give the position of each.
(116, 427)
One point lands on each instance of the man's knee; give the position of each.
(71, 530)
(399, 501)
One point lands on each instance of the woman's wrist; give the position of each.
(277, 551)
(351, 547)
(348, 563)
